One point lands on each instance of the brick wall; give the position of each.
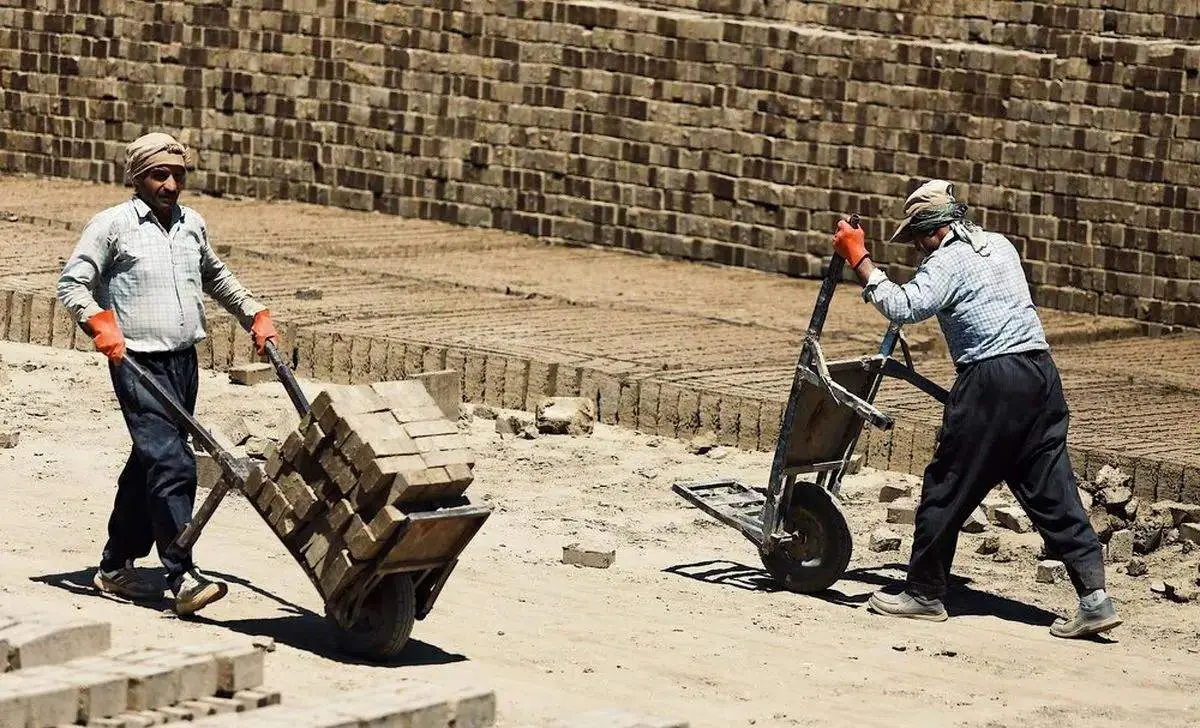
(727, 135)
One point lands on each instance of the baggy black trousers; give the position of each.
(1006, 420)
(157, 488)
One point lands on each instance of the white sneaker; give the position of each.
(195, 591)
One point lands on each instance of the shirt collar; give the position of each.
(144, 212)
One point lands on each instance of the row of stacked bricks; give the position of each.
(715, 137)
(337, 490)
(62, 670)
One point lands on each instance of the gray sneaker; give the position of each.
(127, 583)
(907, 605)
(1087, 622)
(195, 591)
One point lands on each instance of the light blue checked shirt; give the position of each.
(976, 287)
(153, 277)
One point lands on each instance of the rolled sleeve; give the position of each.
(930, 290)
(84, 268)
(220, 283)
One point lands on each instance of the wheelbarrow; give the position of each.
(797, 524)
(374, 615)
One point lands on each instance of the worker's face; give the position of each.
(160, 187)
(926, 244)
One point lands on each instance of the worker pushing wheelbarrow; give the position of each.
(1005, 420)
(366, 495)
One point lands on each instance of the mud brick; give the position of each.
(382, 472)
(200, 710)
(540, 383)
(63, 335)
(667, 411)
(338, 470)
(628, 397)
(50, 639)
(174, 713)
(689, 413)
(729, 409)
(150, 686)
(748, 417)
(41, 319)
(257, 698)
(353, 431)
(315, 438)
(341, 362)
(405, 394)
(6, 298)
(429, 428)
(377, 365)
(444, 386)
(220, 332)
(335, 403)
(900, 457)
(239, 668)
(493, 380)
(608, 397)
(516, 383)
(395, 360)
(291, 447)
(881, 449)
(39, 701)
(710, 413)
(204, 350)
(443, 458)
(99, 692)
(195, 675)
(1190, 489)
(433, 359)
(305, 356)
(254, 481)
(360, 359)
(339, 516)
(18, 317)
(322, 356)
(1170, 481)
(460, 475)
(923, 445)
(359, 540)
(299, 496)
(314, 550)
(265, 497)
(475, 377)
(401, 445)
(251, 374)
(337, 572)
(414, 358)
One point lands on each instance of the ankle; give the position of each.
(1093, 599)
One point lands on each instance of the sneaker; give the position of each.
(195, 591)
(907, 605)
(127, 583)
(1087, 622)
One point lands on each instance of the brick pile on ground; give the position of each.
(340, 486)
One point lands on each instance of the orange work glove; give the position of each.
(263, 330)
(850, 243)
(106, 333)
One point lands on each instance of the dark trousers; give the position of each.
(157, 488)
(1006, 420)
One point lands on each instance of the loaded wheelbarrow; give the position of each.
(367, 496)
(801, 532)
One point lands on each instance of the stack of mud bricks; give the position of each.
(62, 670)
(697, 131)
(339, 487)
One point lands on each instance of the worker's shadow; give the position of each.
(962, 599)
(300, 628)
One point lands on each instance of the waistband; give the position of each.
(1031, 354)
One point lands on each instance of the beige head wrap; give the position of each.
(154, 150)
(933, 205)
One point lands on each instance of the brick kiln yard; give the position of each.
(684, 625)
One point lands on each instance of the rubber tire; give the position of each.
(815, 509)
(384, 623)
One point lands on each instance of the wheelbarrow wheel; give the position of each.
(818, 543)
(384, 621)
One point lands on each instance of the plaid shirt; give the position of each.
(153, 277)
(976, 287)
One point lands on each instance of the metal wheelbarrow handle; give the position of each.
(287, 379)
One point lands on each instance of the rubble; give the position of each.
(894, 491)
(1190, 532)
(1172, 591)
(884, 539)
(1110, 477)
(597, 556)
(988, 545)
(9, 439)
(1013, 518)
(1120, 546)
(512, 424)
(702, 443)
(1050, 572)
(1136, 567)
(484, 412)
(902, 511)
(566, 416)
(977, 522)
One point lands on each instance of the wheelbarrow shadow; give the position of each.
(301, 628)
(962, 599)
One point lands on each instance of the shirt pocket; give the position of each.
(186, 255)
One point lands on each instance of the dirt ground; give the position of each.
(684, 625)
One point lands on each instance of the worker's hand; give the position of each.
(106, 333)
(263, 330)
(850, 243)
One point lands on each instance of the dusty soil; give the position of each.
(685, 624)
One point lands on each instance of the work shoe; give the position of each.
(127, 583)
(195, 591)
(1088, 621)
(907, 605)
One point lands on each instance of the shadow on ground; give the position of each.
(299, 628)
(962, 600)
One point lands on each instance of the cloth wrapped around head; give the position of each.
(928, 208)
(155, 150)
